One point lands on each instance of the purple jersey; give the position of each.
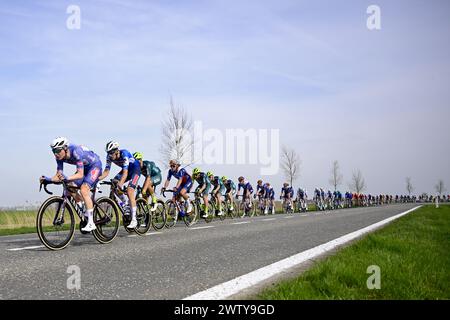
(80, 156)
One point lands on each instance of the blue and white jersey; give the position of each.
(124, 161)
(287, 191)
(269, 192)
(246, 186)
(260, 189)
(180, 174)
(80, 156)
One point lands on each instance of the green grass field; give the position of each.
(412, 253)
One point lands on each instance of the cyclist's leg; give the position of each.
(90, 181)
(134, 174)
(184, 192)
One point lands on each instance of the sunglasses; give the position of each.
(57, 150)
(112, 152)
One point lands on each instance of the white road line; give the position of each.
(132, 236)
(152, 233)
(270, 219)
(288, 217)
(232, 287)
(303, 215)
(243, 222)
(205, 227)
(26, 248)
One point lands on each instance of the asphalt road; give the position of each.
(172, 264)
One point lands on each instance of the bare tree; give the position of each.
(336, 176)
(290, 164)
(177, 141)
(358, 183)
(409, 186)
(439, 187)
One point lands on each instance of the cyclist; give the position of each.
(218, 190)
(301, 198)
(184, 184)
(287, 193)
(269, 196)
(260, 189)
(152, 176)
(247, 190)
(130, 172)
(204, 185)
(89, 167)
(230, 190)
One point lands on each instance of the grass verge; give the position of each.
(412, 254)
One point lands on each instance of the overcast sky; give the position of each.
(377, 101)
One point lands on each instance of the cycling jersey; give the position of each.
(85, 160)
(287, 191)
(202, 180)
(269, 193)
(79, 156)
(150, 170)
(124, 161)
(301, 194)
(246, 186)
(260, 190)
(217, 183)
(186, 180)
(229, 186)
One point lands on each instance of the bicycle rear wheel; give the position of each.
(106, 218)
(143, 217)
(55, 223)
(159, 216)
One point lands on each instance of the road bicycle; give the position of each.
(55, 221)
(260, 205)
(200, 207)
(229, 207)
(287, 206)
(143, 215)
(176, 208)
(301, 205)
(215, 206)
(245, 207)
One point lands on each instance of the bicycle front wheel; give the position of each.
(172, 214)
(191, 219)
(106, 219)
(55, 223)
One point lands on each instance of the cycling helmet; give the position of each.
(259, 181)
(209, 173)
(224, 178)
(195, 172)
(111, 146)
(59, 143)
(241, 178)
(138, 156)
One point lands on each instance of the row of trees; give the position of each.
(176, 143)
(290, 165)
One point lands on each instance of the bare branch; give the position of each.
(290, 164)
(358, 184)
(336, 176)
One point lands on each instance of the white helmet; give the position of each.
(112, 145)
(59, 142)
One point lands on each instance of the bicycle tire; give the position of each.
(111, 220)
(159, 217)
(191, 219)
(143, 217)
(172, 214)
(41, 229)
